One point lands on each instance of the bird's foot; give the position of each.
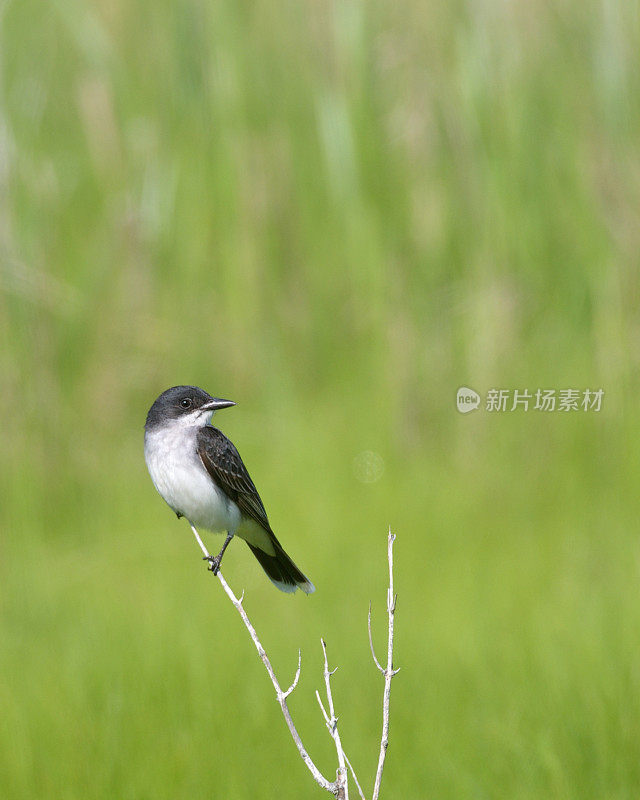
(214, 563)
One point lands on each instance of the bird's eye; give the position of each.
(186, 402)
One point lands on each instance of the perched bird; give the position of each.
(200, 474)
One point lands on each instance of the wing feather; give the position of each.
(223, 462)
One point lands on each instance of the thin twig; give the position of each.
(355, 777)
(200, 542)
(330, 786)
(339, 788)
(332, 724)
(297, 676)
(388, 671)
(373, 652)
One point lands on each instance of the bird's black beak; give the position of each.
(215, 404)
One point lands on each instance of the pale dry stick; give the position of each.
(339, 787)
(330, 786)
(387, 671)
(355, 778)
(348, 763)
(332, 724)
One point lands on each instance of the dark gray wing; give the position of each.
(223, 463)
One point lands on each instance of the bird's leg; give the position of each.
(214, 561)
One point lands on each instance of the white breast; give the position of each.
(181, 479)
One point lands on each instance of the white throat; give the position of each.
(177, 472)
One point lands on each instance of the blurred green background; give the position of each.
(334, 213)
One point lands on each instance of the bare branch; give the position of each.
(373, 652)
(330, 786)
(388, 672)
(322, 708)
(297, 675)
(332, 724)
(339, 788)
(355, 777)
(329, 725)
(199, 540)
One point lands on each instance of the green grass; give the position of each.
(334, 214)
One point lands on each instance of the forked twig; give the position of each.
(332, 724)
(339, 788)
(388, 671)
(330, 786)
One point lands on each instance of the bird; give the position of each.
(199, 473)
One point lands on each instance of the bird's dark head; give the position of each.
(186, 405)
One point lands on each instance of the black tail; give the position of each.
(281, 570)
